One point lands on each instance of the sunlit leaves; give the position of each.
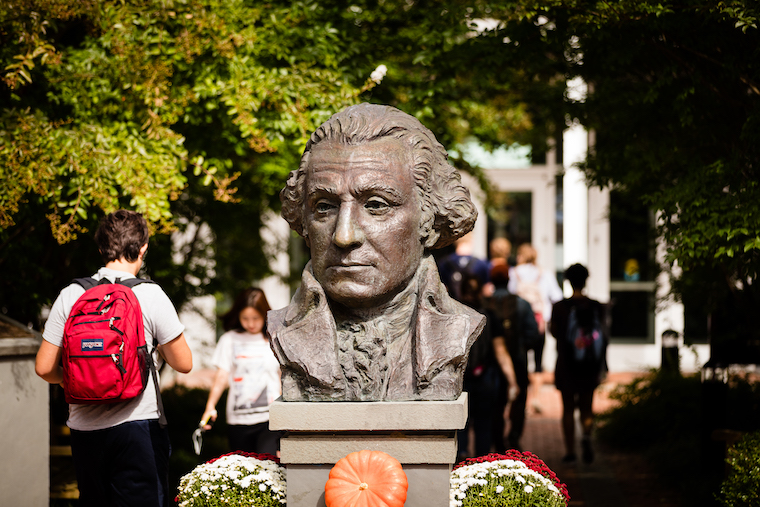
(117, 88)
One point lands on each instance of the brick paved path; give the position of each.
(589, 485)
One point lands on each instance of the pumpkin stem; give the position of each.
(363, 486)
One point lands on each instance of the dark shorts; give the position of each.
(253, 438)
(127, 465)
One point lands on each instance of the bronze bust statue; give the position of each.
(372, 196)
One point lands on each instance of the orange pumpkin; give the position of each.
(366, 479)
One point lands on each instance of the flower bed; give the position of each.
(513, 479)
(235, 479)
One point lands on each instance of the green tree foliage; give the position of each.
(194, 111)
(676, 108)
(172, 108)
(674, 101)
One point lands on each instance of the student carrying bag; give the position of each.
(105, 357)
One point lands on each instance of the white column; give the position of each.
(575, 196)
(598, 284)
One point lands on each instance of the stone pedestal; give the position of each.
(421, 435)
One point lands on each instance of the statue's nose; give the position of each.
(348, 232)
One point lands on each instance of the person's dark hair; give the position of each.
(121, 234)
(500, 275)
(577, 274)
(445, 201)
(251, 297)
(470, 290)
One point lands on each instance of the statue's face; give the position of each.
(362, 218)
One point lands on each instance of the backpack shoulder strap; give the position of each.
(131, 282)
(89, 282)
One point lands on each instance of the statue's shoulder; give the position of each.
(276, 321)
(477, 319)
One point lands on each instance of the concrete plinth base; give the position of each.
(428, 485)
(420, 435)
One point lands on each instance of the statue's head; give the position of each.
(373, 193)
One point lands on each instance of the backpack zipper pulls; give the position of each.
(117, 359)
(105, 300)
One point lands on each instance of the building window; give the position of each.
(511, 217)
(632, 270)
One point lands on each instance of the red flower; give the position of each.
(531, 461)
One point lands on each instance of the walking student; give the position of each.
(120, 450)
(246, 364)
(514, 328)
(541, 290)
(578, 325)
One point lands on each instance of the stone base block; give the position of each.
(428, 449)
(428, 485)
(368, 415)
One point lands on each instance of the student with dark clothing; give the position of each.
(514, 329)
(481, 378)
(577, 323)
(459, 263)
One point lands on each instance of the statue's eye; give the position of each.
(324, 206)
(377, 205)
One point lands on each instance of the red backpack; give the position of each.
(105, 357)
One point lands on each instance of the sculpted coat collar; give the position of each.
(304, 341)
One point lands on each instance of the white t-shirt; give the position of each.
(254, 376)
(161, 323)
(547, 284)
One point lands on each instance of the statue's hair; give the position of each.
(445, 201)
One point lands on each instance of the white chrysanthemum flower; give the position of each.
(378, 74)
(529, 489)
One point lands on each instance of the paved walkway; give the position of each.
(589, 485)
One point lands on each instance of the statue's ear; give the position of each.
(431, 239)
(428, 234)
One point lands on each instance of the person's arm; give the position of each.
(48, 363)
(529, 326)
(221, 382)
(554, 323)
(506, 365)
(177, 353)
(554, 291)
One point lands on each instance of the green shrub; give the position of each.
(660, 417)
(742, 486)
(669, 420)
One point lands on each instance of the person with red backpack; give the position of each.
(102, 343)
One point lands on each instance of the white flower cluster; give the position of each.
(378, 74)
(497, 472)
(232, 477)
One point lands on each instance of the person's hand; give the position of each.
(513, 392)
(208, 415)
